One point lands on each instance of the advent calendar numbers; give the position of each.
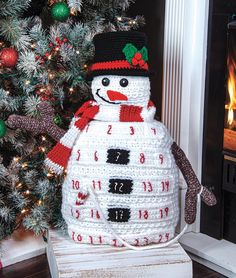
(154, 131)
(161, 158)
(120, 186)
(131, 130)
(142, 158)
(118, 214)
(118, 156)
(164, 212)
(109, 130)
(165, 185)
(147, 186)
(75, 184)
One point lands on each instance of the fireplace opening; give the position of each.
(230, 106)
(219, 134)
(229, 165)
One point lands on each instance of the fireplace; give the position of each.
(229, 145)
(219, 139)
(195, 97)
(230, 106)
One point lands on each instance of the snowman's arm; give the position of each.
(43, 125)
(194, 186)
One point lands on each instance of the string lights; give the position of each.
(16, 159)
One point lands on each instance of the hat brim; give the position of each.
(123, 72)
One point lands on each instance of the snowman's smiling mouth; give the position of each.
(106, 99)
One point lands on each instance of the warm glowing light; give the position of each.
(71, 90)
(27, 82)
(44, 138)
(7, 93)
(27, 192)
(40, 202)
(231, 86)
(16, 159)
(57, 48)
(73, 11)
(119, 18)
(24, 165)
(23, 211)
(43, 149)
(230, 116)
(50, 174)
(77, 52)
(19, 185)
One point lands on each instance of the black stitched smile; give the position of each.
(105, 99)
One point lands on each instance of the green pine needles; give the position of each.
(52, 65)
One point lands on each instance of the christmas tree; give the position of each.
(45, 53)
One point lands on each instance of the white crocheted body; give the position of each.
(131, 168)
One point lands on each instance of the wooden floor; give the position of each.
(38, 268)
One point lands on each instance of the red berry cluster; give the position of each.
(54, 48)
(45, 95)
(137, 60)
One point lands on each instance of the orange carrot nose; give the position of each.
(113, 95)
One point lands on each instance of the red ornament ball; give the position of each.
(8, 57)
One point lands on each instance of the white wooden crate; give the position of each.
(22, 245)
(68, 260)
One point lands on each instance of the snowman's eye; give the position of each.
(124, 82)
(105, 81)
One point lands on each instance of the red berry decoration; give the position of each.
(9, 57)
(138, 56)
(141, 63)
(134, 62)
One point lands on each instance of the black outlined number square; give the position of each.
(118, 156)
(118, 214)
(120, 186)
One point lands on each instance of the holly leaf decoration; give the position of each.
(144, 53)
(129, 50)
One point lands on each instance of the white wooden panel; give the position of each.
(173, 66)
(218, 255)
(184, 67)
(68, 259)
(22, 245)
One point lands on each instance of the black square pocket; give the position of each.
(118, 214)
(118, 156)
(120, 186)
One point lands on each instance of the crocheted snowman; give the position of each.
(122, 179)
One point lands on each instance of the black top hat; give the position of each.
(120, 53)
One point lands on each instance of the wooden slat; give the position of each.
(69, 259)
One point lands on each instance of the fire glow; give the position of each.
(231, 86)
